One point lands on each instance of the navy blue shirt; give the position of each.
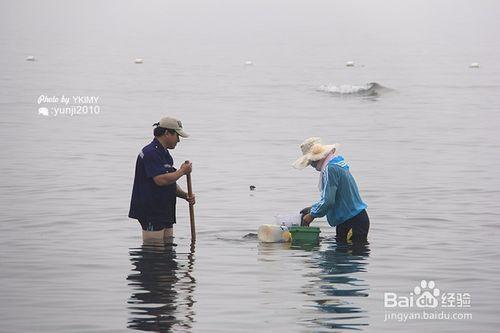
(152, 203)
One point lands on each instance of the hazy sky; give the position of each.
(463, 24)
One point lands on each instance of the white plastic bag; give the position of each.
(288, 220)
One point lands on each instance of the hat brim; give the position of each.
(301, 162)
(306, 160)
(182, 133)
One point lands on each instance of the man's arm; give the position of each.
(184, 195)
(181, 193)
(170, 178)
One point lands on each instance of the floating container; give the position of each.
(308, 235)
(271, 233)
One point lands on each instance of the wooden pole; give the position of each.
(191, 208)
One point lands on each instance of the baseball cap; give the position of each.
(173, 124)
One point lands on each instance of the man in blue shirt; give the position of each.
(155, 189)
(340, 200)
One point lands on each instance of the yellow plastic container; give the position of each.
(270, 233)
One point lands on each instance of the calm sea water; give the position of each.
(424, 153)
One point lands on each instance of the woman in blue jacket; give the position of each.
(340, 200)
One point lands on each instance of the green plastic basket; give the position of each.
(305, 234)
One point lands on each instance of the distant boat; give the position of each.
(248, 63)
(30, 58)
(138, 61)
(474, 65)
(350, 64)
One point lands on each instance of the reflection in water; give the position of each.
(338, 284)
(163, 287)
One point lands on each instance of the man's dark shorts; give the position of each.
(154, 225)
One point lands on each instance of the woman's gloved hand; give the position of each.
(303, 213)
(306, 220)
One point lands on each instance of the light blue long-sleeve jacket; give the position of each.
(340, 199)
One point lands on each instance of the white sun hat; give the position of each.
(312, 150)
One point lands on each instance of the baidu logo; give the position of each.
(427, 302)
(425, 295)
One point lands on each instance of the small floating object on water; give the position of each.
(350, 64)
(270, 233)
(250, 235)
(138, 61)
(30, 58)
(248, 63)
(474, 65)
(252, 188)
